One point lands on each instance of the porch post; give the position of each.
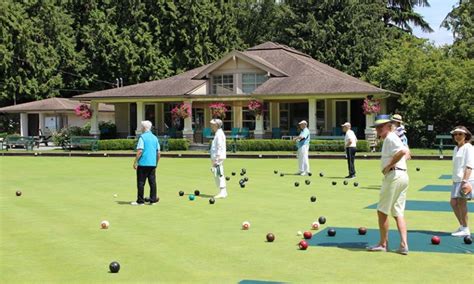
(41, 121)
(258, 133)
(370, 133)
(24, 124)
(188, 132)
(140, 117)
(312, 120)
(94, 121)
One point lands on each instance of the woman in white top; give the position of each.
(218, 155)
(463, 177)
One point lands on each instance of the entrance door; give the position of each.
(133, 118)
(33, 124)
(198, 119)
(342, 112)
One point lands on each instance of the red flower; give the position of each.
(83, 111)
(181, 111)
(255, 107)
(218, 110)
(371, 106)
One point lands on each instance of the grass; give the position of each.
(51, 233)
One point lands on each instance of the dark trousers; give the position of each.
(142, 174)
(351, 153)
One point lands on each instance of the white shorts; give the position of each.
(456, 191)
(393, 193)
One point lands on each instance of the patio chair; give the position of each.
(336, 131)
(276, 133)
(244, 133)
(234, 134)
(293, 132)
(207, 133)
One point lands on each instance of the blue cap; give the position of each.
(381, 119)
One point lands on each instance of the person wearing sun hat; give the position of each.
(218, 155)
(463, 177)
(400, 129)
(392, 197)
(350, 145)
(303, 148)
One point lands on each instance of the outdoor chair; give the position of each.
(276, 133)
(207, 133)
(234, 134)
(293, 132)
(244, 133)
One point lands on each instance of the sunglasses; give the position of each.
(458, 134)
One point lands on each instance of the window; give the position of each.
(251, 81)
(248, 119)
(223, 84)
(321, 114)
(284, 116)
(133, 118)
(291, 114)
(228, 118)
(198, 118)
(150, 115)
(178, 123)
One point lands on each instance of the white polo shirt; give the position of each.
(218, 146)
(392, 145)
(463, 157)
(350, 136)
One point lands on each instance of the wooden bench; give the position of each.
(25, 141)
(82, 142)
(442, 144)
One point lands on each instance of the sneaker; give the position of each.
(457, 230)
(350, 177)
(402, 251)
(462, 233)
(377, 248)
(220, 195)
(134, 203)
(151, 203)
(302, 174)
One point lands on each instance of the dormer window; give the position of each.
(223, 84)
(251, 81)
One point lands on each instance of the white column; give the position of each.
(188, 132)
(370, 133)
(258, 133)
(312, 120)
(24, 124)
(140, 117)
(94, 119)
(41, 121)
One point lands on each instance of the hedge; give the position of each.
(288, 145)
(129, 144)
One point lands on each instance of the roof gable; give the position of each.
(253, 60)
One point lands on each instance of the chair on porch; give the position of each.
(293, 132)
(207, 133)
(276, 133)
(336, 131)
(235, 133)
(244, 133)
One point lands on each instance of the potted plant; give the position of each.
(255, 107)
(371, 105)
(218, 110)
(83, 111)
(181, 111)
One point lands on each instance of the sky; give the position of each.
(434, 15)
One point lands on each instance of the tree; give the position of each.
(435, 87)
(460, 22)
(400, 13)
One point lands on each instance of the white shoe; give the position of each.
(134, 203)
(457, 230)
(222, 194)
(462, 233)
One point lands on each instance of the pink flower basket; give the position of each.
(218, 110)
(255, 107)
(83, 111)
(371, 106)
(181, 111)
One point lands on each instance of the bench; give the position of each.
(442, 144)
(25, 141)
(82, 142)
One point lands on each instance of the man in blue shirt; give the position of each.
(146, 161)
(303, 148)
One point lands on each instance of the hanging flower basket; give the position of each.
(218, 110)
(371, 106)
(83, 111)
(255, 107)
(181, 111)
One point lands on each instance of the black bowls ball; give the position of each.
(322, 220)
(114, 267)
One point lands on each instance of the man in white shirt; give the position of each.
(218, 155)
(350, 144)
(394, 186)
(302, 142)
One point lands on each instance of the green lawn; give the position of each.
(51, 233)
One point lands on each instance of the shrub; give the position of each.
(108, 130)
(130, 144)
(288, 145)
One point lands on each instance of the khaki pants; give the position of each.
(393, 193)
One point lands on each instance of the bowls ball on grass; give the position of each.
(308, 182)
(18, 193)
(104, 224)
(334, 183)
(191, 197)
(282, 175)
(303, 245)
(345, 182)
(114, 267)
(315, 226)
(467, 240)
(297, 184)
(310, 174)
(331, 232)
(362, 231)
(270, 237)
(233, 173)
(181, 193)
(322, 220)
(227, 178)
(212, 200)
(275, 171)
(321, 174)
(313, 199)
(356, 184)
(197, 192)
(246, 179)
(307, 235)
(245, 225)
(435, 240)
